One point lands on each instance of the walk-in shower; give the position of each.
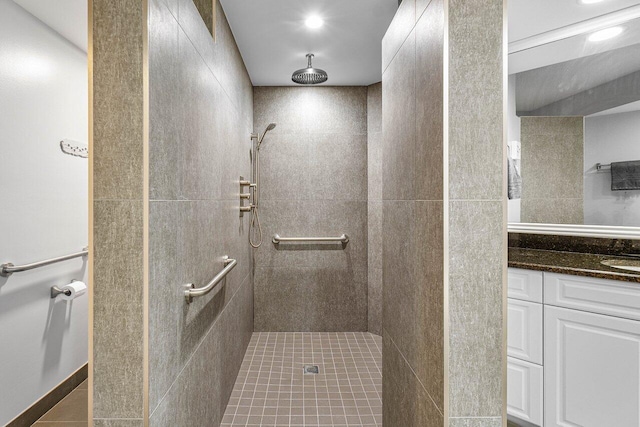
(255, 230)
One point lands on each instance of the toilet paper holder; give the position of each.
(55, 291)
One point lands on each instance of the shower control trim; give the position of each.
(245, 196)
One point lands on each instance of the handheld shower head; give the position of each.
(271, 126)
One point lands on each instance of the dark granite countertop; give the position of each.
(579, 264)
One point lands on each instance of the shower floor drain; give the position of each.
(310, 369)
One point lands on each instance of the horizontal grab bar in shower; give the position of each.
(191, 291)
(344, 239)
(8, 269)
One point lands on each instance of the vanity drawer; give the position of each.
(524, 330)
(525, 284)
(524, 391)
(611, 297)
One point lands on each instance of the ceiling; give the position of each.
(529, 18)
(542, 86)
(69, 18)
(552, 57)
(273, 38)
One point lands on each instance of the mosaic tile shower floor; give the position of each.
(272, 389)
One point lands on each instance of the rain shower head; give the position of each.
(309, 75)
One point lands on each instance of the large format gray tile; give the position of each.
(374, 165)
(399, 124)
(165, 152)
(375, 231)
(310, 299)
(374, 311)
(201, 255)
(374, 108)
(283, 106)
(117, 82)
(118, 309)
(165, 300)
(200, 132)
(428, 155)
(314, 110)
(229, 67)
(476, 259)
(338, 167)
(405, 402)
(314, 219)
(552, 158)
(552, 210)
(413, 288)
(338, 110)
(132, 422)
(206, 10)
(398, 31)
(552, 126)
(189, 400)
(284, 164)
(476, 422)
(475, 100)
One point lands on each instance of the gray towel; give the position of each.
(515, 180)
(625, 176)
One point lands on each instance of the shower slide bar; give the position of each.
(191, 291)
(8, 269)
(344, 239)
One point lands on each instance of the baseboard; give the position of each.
(49, 400)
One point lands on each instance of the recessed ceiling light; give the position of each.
(314, 22)
(589, 1)
(606, 34)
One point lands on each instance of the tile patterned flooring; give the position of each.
(272, 390)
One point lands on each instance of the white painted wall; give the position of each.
(611, 138)
(513, 134)
(43, 207)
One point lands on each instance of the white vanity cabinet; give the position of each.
(592, 369)
(525, 345)
(574, 356)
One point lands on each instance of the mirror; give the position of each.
(574, 123)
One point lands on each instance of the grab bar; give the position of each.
(344, 239)
(8, 269)
(191, 291)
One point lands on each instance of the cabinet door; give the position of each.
(592, 369)
(524, 391)
(524, 330)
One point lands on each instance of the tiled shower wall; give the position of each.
(552, 170)
(200, 118)
(374, 217)
(313, 183)
(444, 251)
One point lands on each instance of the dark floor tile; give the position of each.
(74, 407)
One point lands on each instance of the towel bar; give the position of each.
(191, 291)
(344, 239)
